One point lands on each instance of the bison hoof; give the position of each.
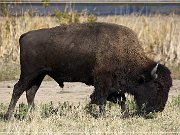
(7, 117)
(125, 114)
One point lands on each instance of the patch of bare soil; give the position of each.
(72, 92)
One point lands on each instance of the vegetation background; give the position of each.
(160, 37)
(158, 33)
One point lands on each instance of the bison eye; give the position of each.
(141, 79)
(159, 87)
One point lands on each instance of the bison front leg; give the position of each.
(100, 101)
(102, 110)
(102, 86)
(122, 103)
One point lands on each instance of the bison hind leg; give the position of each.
(30, 84)
(30, 93)
(18, 90)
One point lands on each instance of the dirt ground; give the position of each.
(72, 92)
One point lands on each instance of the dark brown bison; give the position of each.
(107, 56)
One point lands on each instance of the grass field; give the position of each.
(65, 111)
(68, 118)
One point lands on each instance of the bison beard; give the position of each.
(107, 56)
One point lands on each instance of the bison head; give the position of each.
(152, 90)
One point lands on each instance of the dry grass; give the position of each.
(158, 34)
(74, 119)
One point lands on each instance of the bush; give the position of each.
(73, 17)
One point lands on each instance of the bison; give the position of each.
(107, 56)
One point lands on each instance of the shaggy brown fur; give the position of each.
(107, 56)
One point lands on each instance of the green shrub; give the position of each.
(48, 109)
(73, 17)
(176, 101)
(3, 8)
(91, 18)
(21, 112)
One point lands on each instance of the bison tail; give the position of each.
(21, 37)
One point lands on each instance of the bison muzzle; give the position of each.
(107, 56)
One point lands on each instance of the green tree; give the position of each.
(3, 8)
(45, 3)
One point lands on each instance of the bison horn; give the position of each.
(154, 70)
